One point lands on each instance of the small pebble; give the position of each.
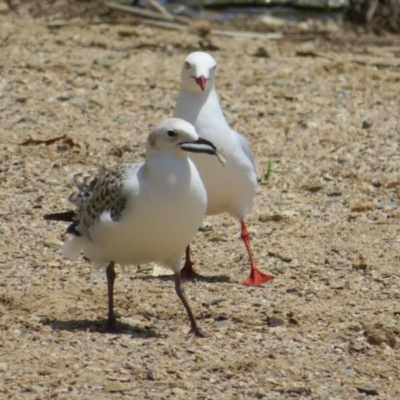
(115, 387)
(37, 388)
(52, 242)
(221, 323)
(348, 372)
(274, 322)
(356, 346)
(369, 389)
(367, 124)
(178, 391)
(260, 393)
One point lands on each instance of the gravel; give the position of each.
(326, 221)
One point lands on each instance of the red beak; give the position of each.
(201, 81)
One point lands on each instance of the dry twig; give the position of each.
(179, 27)
(162, 9)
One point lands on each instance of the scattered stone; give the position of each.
(178, 391)
(52, 242)
(274, 322)
(293, 321)
(312, 188)
(218, 238)
(221, 320)
(298, 390)
(290, 213)
(355, 346)
(379, 334)
(322, 393)
(103, 62)
(116, 386)
(268, 217)
(334, 194)
(37, 388)
(27, 120)
(314, 384)
(44, 372)
(3, 367)
(260, 393)
(205, 227)
(367, 124)
(156, 394)
(150, 374)
(348, 372)
(369, 389)
(286, 259)
(336, 285)
(159, 270)
(262, 52)
(221, 323)
(361, 207)
(388, 204)
(311, 125)
(131, 321)
(128, 33)
(361, 266)
(329, 178)
(391, 324)
(78, 101)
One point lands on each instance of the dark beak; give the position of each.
(203, 146)
(199, 146)
(201, 81)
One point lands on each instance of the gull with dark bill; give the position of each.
(230, 189)
(141, 213)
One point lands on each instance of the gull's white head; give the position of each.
(198, 72)
(177, 137)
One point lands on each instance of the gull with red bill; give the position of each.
(230, 189)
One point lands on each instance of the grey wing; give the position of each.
(246, 148)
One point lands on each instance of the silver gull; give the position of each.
(230, 189)
(141, 213)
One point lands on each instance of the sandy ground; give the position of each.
(325, 113)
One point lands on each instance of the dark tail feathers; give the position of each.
(67, 216)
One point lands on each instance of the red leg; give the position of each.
(187, 271)
(256, 277)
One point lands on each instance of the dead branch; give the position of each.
(179, 27)
(162, 9)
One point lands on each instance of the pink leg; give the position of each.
(256, 277)
(187, 271)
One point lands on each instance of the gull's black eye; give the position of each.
(171, 133)
(215, 67)
(187, 65)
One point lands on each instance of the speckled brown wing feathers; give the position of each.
(100, 193)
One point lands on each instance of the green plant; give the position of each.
(268, 173)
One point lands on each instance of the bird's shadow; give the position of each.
(199, 278)
(99, 326)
